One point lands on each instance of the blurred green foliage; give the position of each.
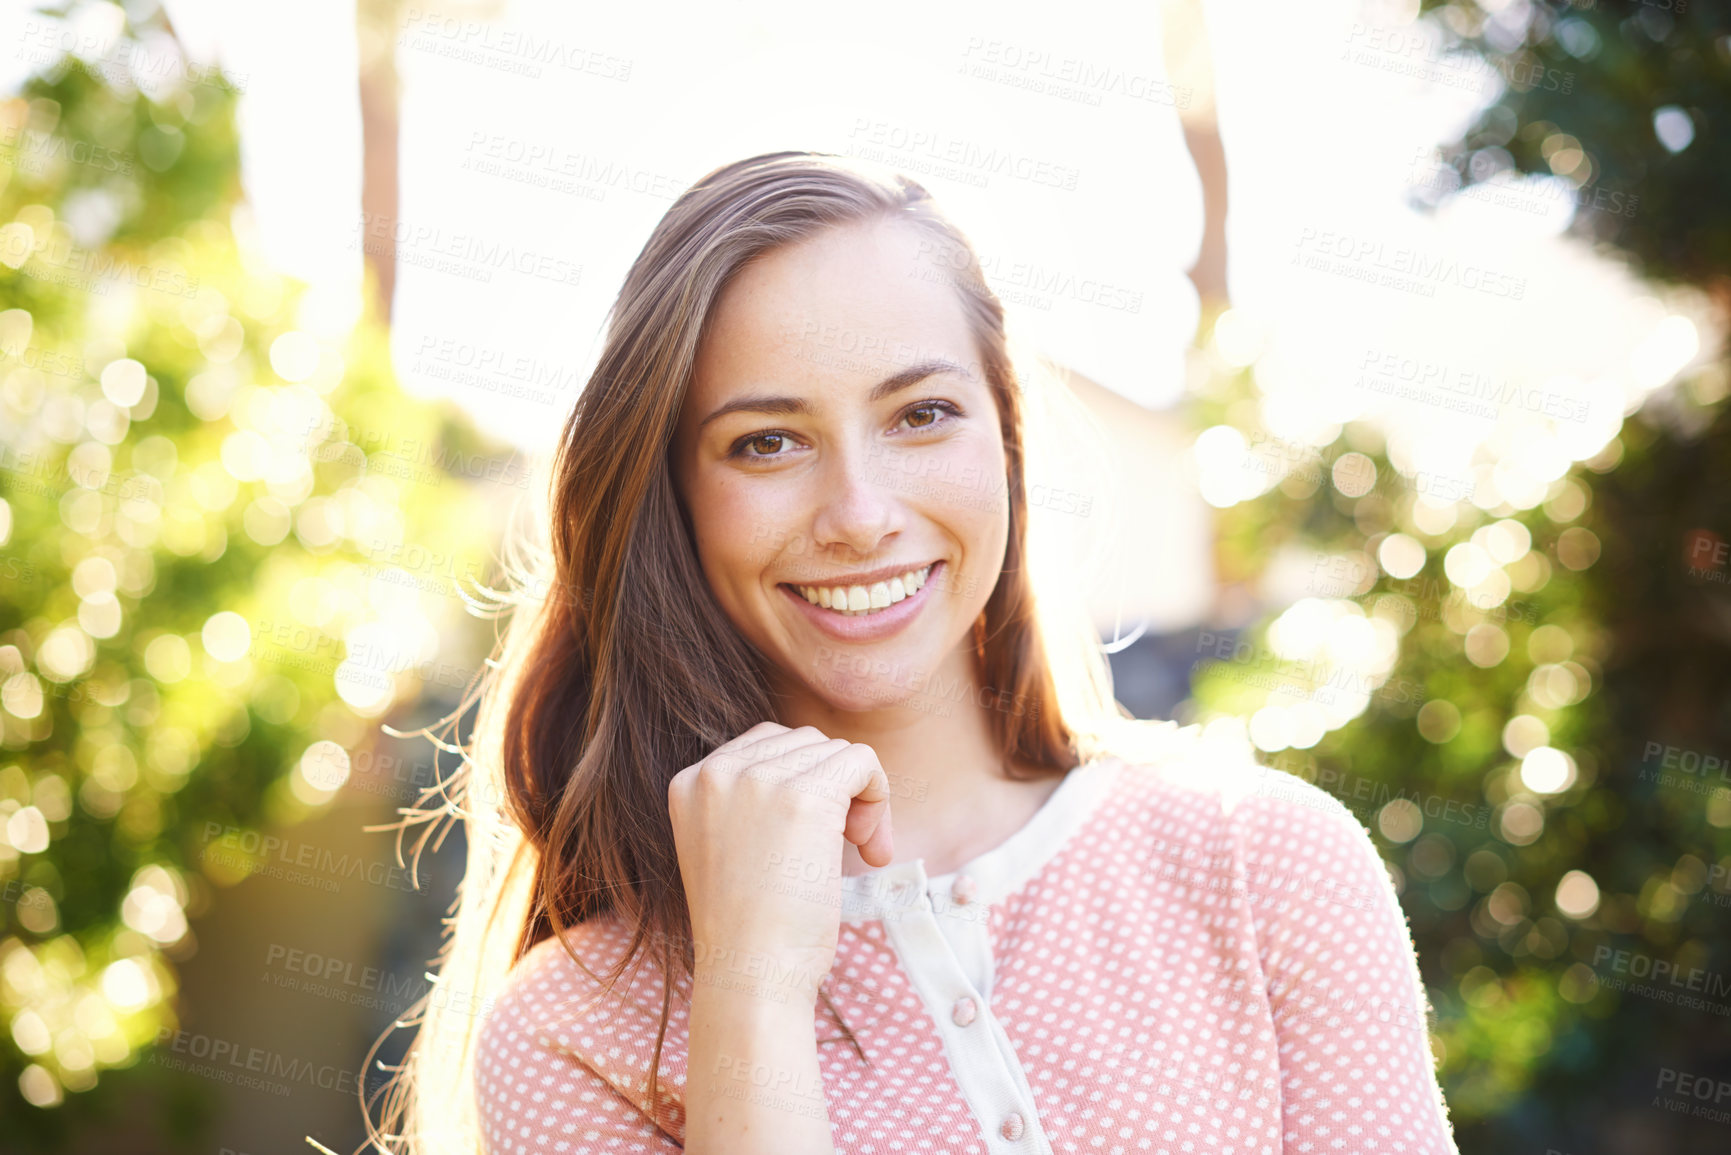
(203, 507)
(1548, 1038)
(1592, 89)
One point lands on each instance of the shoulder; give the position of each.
(562, 1054)
(1206, 782)
(547, 994)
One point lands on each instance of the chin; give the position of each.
(860, 695)
(857, 681)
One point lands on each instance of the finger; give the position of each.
(852, 773)
(772, 747)
(878, 849)
(868, 816)
(755, 734)
(863, 820)
(874, 786)
(734, 754)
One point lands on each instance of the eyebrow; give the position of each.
(912, 375)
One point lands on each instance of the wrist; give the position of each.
(780, 976)
(763, 982)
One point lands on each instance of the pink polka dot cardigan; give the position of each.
(1168, 957)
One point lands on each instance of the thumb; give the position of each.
(878, 846)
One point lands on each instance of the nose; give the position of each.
(857, 508)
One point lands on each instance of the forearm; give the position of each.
(753, 1083)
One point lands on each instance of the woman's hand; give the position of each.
(758, 825)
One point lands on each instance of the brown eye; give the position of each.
(763, 446)
(768, 445)
(930, 414)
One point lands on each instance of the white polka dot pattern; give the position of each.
(1191, 971)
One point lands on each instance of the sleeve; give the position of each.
(536, 1098)
(1349, 1009)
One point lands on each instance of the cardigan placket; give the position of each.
(938, 928)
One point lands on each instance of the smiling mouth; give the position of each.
(863, 601)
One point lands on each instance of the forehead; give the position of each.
(848, 306)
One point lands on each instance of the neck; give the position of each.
(950, 798)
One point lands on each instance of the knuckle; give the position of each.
(807, 758)
(802, 760)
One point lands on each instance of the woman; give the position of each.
(816, 832)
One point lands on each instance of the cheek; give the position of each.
(970, 491)
(741, 529)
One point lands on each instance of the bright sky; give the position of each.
(558, 134)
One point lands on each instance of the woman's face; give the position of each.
(838, 437)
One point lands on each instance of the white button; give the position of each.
(1012, 1128)
(964, 889)
(964, 1012)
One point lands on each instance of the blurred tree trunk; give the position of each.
(1190, 68)
(376, 36)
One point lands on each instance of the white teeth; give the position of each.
(856, 600)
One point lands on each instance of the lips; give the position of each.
(866, 599)
(871, 623)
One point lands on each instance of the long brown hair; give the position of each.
(620, 668)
